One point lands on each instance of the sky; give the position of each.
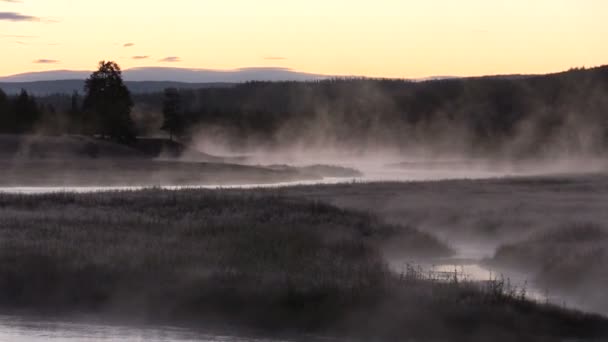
(377, 38)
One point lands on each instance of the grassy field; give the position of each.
(571, 260)
(476, 213)
(192, 238)
(551, 229)
(254, 257)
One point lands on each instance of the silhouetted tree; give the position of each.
(173, 118)
(3, 100)
(74, 113)
(4, 112)
(25, 113)
(108, 103)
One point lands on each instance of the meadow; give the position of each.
(479, 214)
(252, 258)
(550, 229)
(570, 259)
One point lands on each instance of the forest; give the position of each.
(514, 116)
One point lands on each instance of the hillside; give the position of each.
(545, 116)
(183, 75)
(42, 88)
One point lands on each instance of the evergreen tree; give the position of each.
(25, 113)
(108, 104)
(74, 114)
(4, 112)
(173, 118)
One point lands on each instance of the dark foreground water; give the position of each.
(15, 328)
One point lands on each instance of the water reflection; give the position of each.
(475, 270)
(370, 175)
(28, 329)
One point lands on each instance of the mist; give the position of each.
(343, 207)
(501, 124)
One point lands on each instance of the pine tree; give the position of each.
(173, 117)
(108, 104)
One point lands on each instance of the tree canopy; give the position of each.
(108, 104)
(19, 114)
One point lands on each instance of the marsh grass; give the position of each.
(571, 259)
(253, 257)
(251, 245)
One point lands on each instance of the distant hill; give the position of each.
(150, 79)
(41, 88)
(176, 75)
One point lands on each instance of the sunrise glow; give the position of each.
(387, 38)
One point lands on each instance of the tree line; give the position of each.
(19, 114)
(105, 110)
(514, 116)
(517, 115)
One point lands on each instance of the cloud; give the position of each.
(21, 42)
(140, 57)
(274, 58)
(14, 16)
(171, 59)
(13, 1)
(16, 36)
(46, 61)
(128, 44)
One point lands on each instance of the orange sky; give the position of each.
(387, 38)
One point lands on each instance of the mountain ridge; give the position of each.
(186, 75)
(43, 88)
(149, 79)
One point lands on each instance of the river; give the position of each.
(27, 328)
(370, 174)
(468, 265)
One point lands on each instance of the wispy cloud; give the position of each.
(21, 42)
(274, 58)
(46, 61)
(171, 59)
(50, 20)
(14, 16)
(13, 1)
(140, 57)
(128, 44)
(16, 36)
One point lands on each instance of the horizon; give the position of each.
(391, 39)
(289, 75)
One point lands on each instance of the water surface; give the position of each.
(14, 328)
(369, 175)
